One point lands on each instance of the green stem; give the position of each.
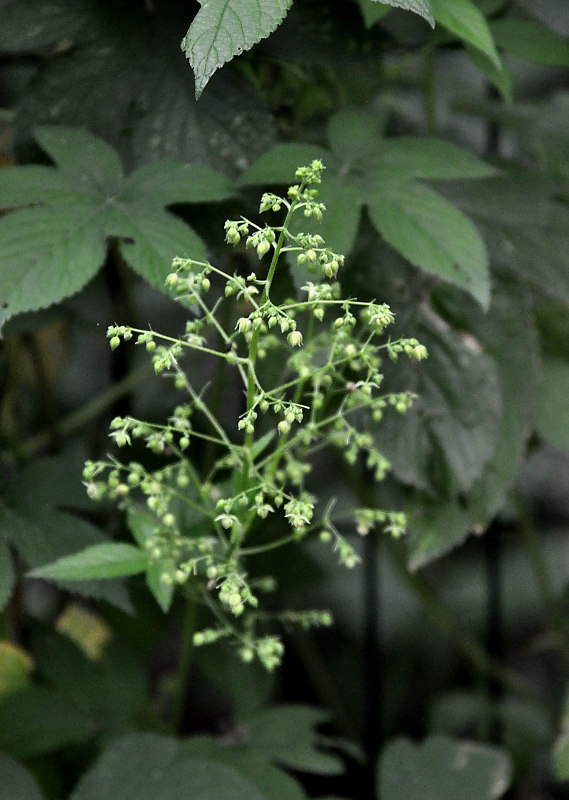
(255, 341)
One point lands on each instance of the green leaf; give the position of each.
(41, 533)
(38, 720)
(223, 29)
(7, 576)
(145, 766)
(112, 560)
(437, 526)
(89, 162)
(448, 437)
(531, 41)
(462, 18)
(16, 781)
(364, 169)
(432, 234)
(561, 750)
(151, 113)
(501, 78)
(286, 734)
(441, 767)
(50, 251)
(431, 159)
(16, 668)
(372, 12)
(421, 7)
(552, 412)
(169, 182)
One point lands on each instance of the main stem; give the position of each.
(255, 341)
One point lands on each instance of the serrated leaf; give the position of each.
(82, 157)
(437, 526)
(144, 766)
(444, 442)
(50, 251)
(464, 19)
(531, 41)
(432, 234)
(112, 560)
(223, 29)
(16, 781)
(431, 159)
(151, 113)
(441, 767)
(169, 182)
(366, 170)
(421, 7)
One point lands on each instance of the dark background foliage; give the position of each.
(447, 189)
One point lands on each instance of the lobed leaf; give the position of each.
(223, 29)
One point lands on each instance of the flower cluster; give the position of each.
(202, 520)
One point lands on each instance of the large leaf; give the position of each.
(31, 519)
(421, 7)
(150, 113)
(364, 169)
(441, 767)
(37, 720)
(524, 227)
(109, 560)
(531, 41)
(448, 437)
(16, 781)
(436, 525)
(223, 29)
(145, 766)
(51, 250)
(466, 21)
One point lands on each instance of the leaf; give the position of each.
(501, 78)
(372, 12)
(432, 234)
(7, 575)
(145, 766)
(151, 112)
(17, 782)
(552, 413)
(51, 250)
(37, 720)
(531, 41)
(462, 18)
(42, 534)
(441, 767)
(448, 437)
(112, 560)
(286, 734)
(365, 169)
(37, 24)
(421, 7)
(223, 29)
(437, 526)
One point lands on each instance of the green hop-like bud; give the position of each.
(232, 236)
(294, 338)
